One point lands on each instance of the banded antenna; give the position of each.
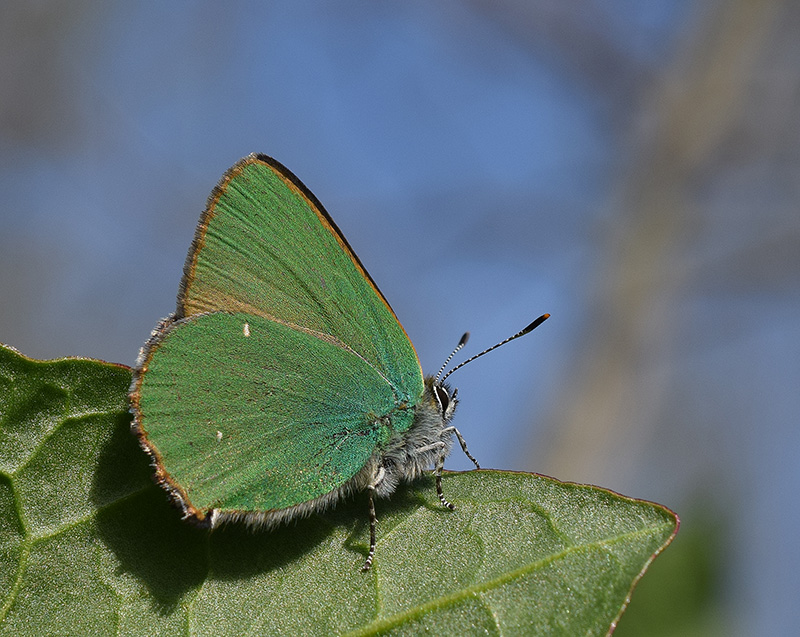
(461, 344)
(463, 341)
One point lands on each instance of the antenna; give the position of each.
(461, 344)
(522, 332)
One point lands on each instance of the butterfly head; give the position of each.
(445, 397)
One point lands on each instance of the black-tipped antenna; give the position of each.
(523, 332)
(461, 344)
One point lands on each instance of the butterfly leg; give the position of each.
(463, 444)
(373, 519)
(439, 492)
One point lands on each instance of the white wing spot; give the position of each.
(247, 329)
(219, 436)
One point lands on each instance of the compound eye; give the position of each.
(442, 397)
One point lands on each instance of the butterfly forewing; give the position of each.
(265, 246)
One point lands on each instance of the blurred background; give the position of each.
(633, 168)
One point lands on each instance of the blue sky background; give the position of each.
(473, 159)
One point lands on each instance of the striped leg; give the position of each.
(373, 521)
(439, 492)
(463, 444)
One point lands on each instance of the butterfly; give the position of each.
(284, 382)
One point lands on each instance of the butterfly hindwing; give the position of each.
(241, 431)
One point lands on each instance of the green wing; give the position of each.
(285, 368)
(265, 246)
(249, 414)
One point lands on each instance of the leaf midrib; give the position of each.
(476, 590)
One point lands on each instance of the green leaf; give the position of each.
(88, 545)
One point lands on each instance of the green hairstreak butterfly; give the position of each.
(284, 382)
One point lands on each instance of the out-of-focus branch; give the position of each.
(607, 412)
